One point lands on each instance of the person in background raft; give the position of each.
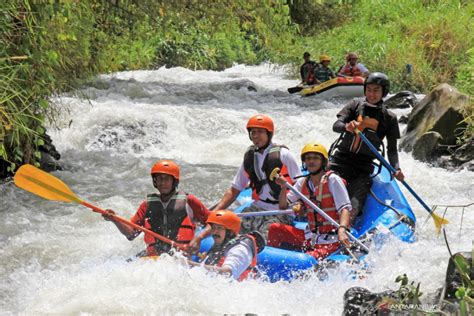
(352, 159)
(260, 160)
(170, 213)
(307, 70)
(328, 191)
(352, 68)
(231, 253)
(323, 72)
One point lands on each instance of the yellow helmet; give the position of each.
(324, 58)
(314, 148)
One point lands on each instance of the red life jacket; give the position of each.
(349, 70)
(322, 197)
(217, 256)
(171, 221)
(271, 161)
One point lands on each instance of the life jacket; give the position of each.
(308, 72)
(322, 197)
(351, 142)
(216, 255)
(257, 179)
(322, 73)
(171, 221)
(349, 70)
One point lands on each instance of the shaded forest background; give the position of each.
(50, 47)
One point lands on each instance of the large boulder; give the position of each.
(401, 100)
(427, 147)
(441, 112)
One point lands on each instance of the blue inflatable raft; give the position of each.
(385, 206)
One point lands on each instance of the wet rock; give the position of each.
(465, 153)
(360, 301)
(49, 155)
(401, 100)
(427, 147)
(99, 84)
(440, 111)
(403, 119)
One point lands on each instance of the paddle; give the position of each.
(275, 174)
(295, 89)
(438, 221)
(45, 185)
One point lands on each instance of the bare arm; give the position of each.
(282, 199)
(222, 270)
(344, 222)
(195, 243)
(126, 230)
(229, 197)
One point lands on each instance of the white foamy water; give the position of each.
(59, 258)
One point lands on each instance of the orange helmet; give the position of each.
(226, 218)
(351, 55)
(261, 121)
(166, 167)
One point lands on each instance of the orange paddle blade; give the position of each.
(43, 184)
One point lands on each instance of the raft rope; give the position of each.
(453, 206)
(402, 217)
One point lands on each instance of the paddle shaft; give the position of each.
(138, 227)
(266, 213)
(323, 214)
(391, 168)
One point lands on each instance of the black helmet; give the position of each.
(380, 79)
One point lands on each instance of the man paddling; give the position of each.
(169, 212)
(307, 70)
(231, 254)
(325, 189)
(259, 161)
(352, 159)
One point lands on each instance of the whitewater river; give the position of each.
(60, 258)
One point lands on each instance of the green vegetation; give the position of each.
(55, 46)
(49, 47)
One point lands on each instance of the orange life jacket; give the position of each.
(349, 70)
(171, 221)
(271, 161)
(322, 197)
(217, 256)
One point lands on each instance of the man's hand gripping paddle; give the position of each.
(43, 184)
(275, 174)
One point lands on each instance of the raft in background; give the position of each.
(345, 87)
(386, 207)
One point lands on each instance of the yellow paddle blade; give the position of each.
(439, 222)
(41, 183)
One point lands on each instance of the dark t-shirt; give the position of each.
(387, 127)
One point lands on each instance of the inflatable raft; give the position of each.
(386, 211)
(345, 87)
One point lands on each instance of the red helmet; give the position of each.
(261, 121)
(226, 218)
(166, 167)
